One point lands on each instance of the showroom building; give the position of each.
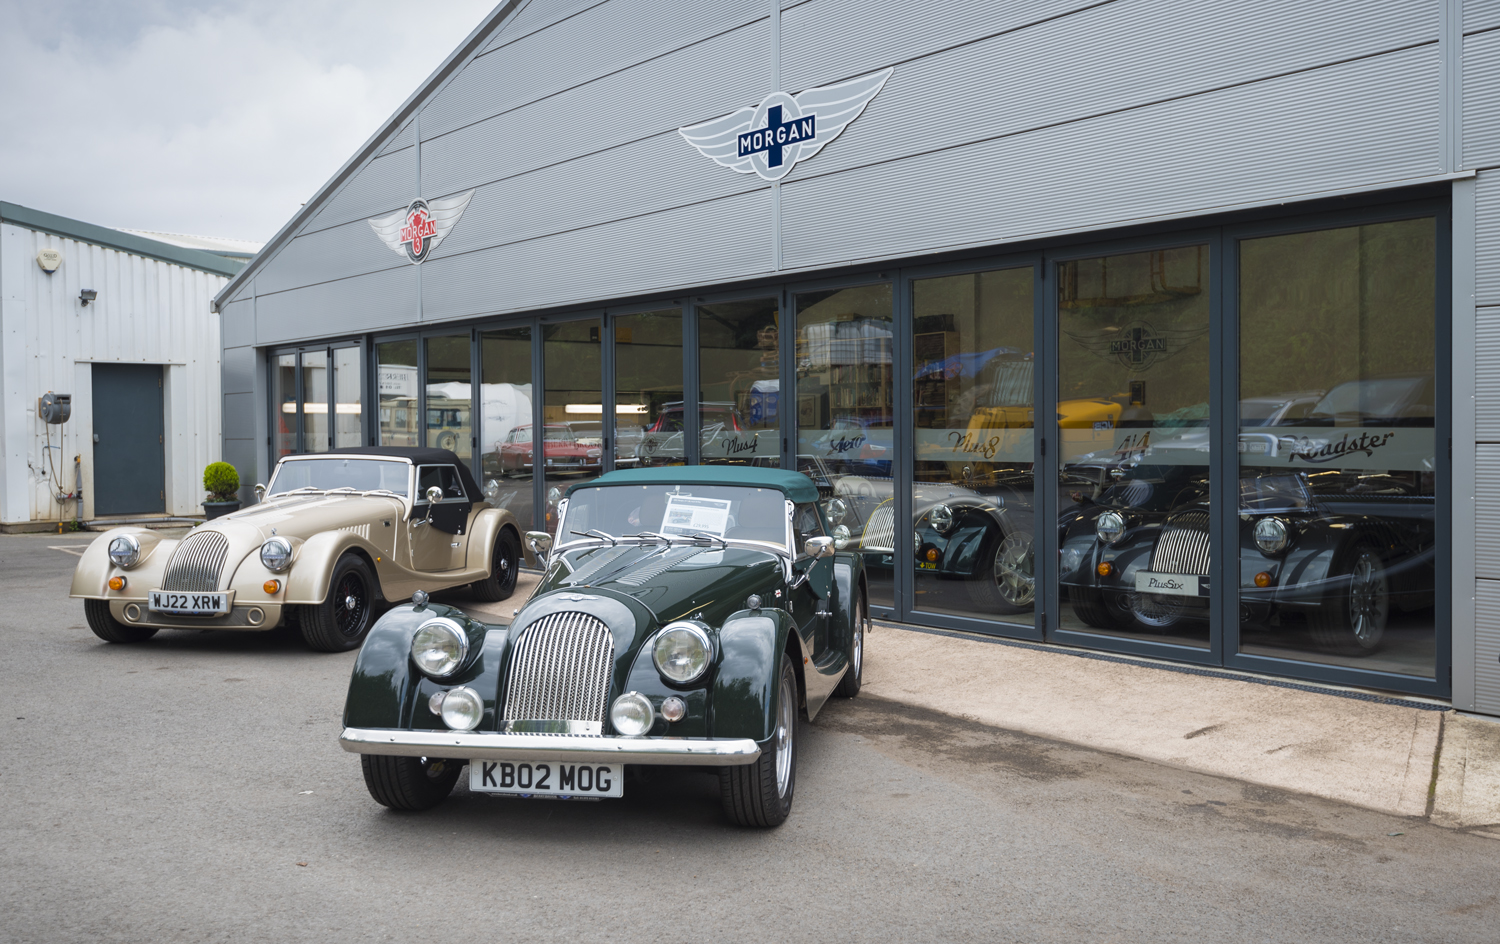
(1218, 276)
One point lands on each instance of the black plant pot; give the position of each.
(213, 509)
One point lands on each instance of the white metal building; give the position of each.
(105, 316)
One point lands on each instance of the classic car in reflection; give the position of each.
(562, 451)
(447, 423)
(662, 442)
(334, 534)
(688, 615)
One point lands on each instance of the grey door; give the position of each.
(129, 461)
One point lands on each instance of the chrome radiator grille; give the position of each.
(196, 564)
(1183, 545)
(880, 530)
(560, 670)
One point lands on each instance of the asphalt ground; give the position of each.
(191, 789)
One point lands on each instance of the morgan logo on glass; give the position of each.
(416, 231)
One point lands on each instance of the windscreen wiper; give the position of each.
(596, 533)
(703, 537)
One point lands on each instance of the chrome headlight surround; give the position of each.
(1110, 527)
(682, 652)
(124, 551)
(941, 517)
(1272, 535)
(276, 555)
(439, 647)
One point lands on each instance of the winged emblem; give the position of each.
(1137, 346)
(770, 138)
(417, 230)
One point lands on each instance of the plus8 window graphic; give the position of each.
(770, 138)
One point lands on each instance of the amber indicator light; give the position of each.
(1105, 568)
(271, 586)
(932, 554)
(117, 583)
(1263, 579)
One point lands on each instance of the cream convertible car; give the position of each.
(333, 534)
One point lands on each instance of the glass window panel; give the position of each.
(348, 424)
(1132, 417)
(648, 389)
(739, 372)
(449, 398)
(845, 398)
(396, 387)
(973, 370)
(1337, 446)
(572, 410)
(284, 396)
(314, 401)
(506, 420)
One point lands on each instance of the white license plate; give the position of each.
(188, 604)
(1177, 585)
(546, 778)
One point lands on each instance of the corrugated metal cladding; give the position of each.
(1481, 15)
(147, 312)
(1487, 647)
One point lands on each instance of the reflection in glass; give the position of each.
(314, 401)
(648, 389)
(1337, 446)
(572, 410)
(284, 395)
(505, 420)
(1132, 416)
(972, 406)
(396, 387)
(449, 400)
(845, 396)
(347, 421)
(739, 382)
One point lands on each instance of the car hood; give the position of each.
(302, 516)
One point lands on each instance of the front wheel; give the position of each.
(505, 563)
(341, 621)
(760, 794)
(1010, 585)
(409, 783)
(1354, 623)
(854, 678)
(109, 629)
(1098, 608)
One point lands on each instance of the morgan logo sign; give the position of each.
(770, 138)
(416, 231)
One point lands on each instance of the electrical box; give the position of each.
(54, 407)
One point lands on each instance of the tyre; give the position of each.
(760, 794)
(447, 439)
(1354, 622)
(1008, 586)
(341, 621)
(505, 564)
(409, 783)
(109, 629)
(854, 679)
(1094, 608)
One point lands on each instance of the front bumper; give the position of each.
(480, 745)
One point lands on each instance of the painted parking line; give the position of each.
(75, 549)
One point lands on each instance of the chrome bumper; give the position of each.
(479, 745)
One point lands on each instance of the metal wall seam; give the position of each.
(1480, 15)
(376, 188)
(341, 252)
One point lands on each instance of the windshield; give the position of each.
(730, 512)
(1373, 398)
(1277, 491)
(332, 472)
(557, 434)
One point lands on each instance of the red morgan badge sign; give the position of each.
(416, 231)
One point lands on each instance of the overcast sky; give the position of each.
(209, 118)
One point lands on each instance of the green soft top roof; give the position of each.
(795, 485)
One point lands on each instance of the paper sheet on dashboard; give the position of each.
(688, 515)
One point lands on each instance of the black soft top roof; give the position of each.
(418, 456)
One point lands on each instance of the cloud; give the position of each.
(212, 119)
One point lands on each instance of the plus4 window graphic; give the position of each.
(416, 231)
(770, 138)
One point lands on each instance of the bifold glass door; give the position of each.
(316, 399)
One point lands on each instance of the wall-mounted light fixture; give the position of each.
(87, 295)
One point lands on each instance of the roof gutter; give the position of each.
(115, 239)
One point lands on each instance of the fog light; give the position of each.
(632, 715)
(674, 708)
(462, 709)
(132, 612)
(1105, 568)
(932, 554)
(117, 583)
(271, 586)
(1262, 579)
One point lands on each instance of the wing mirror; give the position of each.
(540, 543)
(260, 492)
(434, 494)
(819, 547)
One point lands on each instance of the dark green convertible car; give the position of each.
(689, 615)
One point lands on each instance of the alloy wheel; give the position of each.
(785, 727)
(1015, 570)
(1369, 599)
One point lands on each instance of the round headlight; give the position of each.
(632, 715)
(439, 647)
(941, 517)
(1110, 527)
(462, 709)
(491, 490)
(682, 652)
(1272, 535)
(124, 551)
(276, 554)
(841, 536)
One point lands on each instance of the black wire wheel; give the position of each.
(760, 794)
(109, 629)
(409, 783)
(341, 621)
(1353, 623)
(505, 565)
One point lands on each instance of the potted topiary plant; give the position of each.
(222, 482)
